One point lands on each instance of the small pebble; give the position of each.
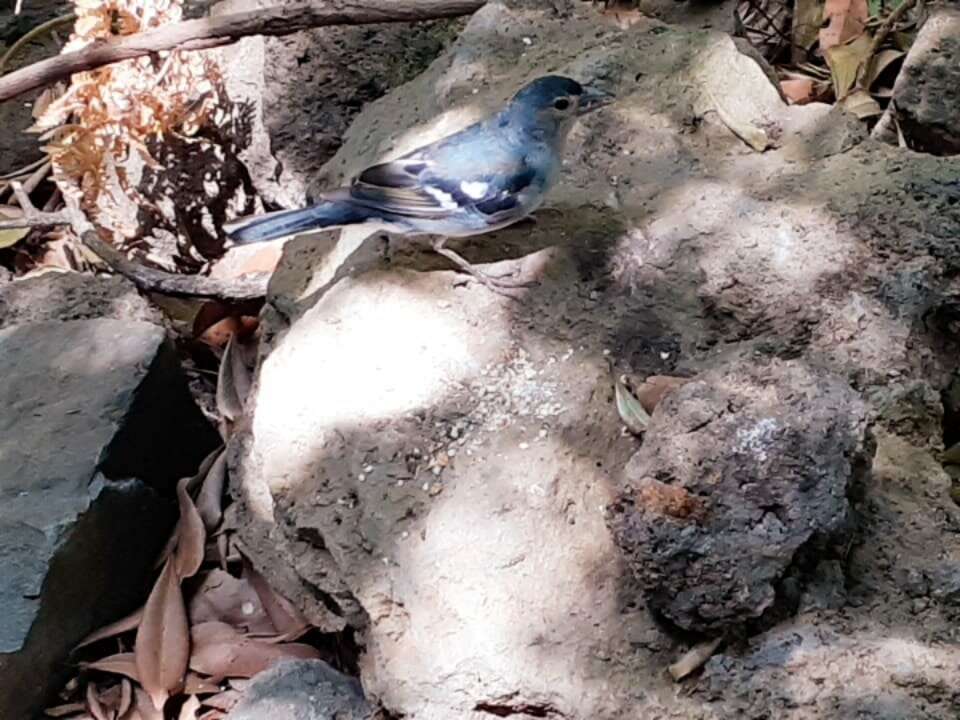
(400, 483)
(426, 486)
(368, 469)
(524, 446)
(404, 535)
(542, 434)
(247, 608)
(361, 477)
(527, 41)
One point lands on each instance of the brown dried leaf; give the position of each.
(163, 640)
(807, 16)
(124, 624)
(210, 499)
(846, 20)
(64, 710)
(286, 618)
(798, 91)
(126, 698)
(144, 705)
(94, 706)
(204, 469)
(197, 685)
(224, 598)
(191, 534)
(188, 711)
(861, 104)
(119, 664)
(221, 651)
(657, 387)
(631, 412)
(223, 701)
(845, 62)
(880, 62)
(233, 382)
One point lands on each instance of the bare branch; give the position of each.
(212, 32)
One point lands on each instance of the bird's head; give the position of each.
(555, 101)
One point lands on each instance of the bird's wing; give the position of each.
(440, 180)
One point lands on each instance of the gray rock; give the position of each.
(303, 690)
(87, 404)
(742, 473)
(926, 95)
(73, 296)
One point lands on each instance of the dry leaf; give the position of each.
(119, 664)
(223, 701)
(284, 615)
(807, 19)
(144, 705)
(861, 104)
(657, 387)
(743, 128)
(191, 534)
(233, 382)
(845, 62)
(64, 710)
(124, 624)
(126, 698)
(798, 91)
(220, 651)
(188, 711)
(210, 498)
(11, 236)
(880, 62)
(224, 598)
(204, 468)
(198, 685)
(163, 639)
(94, 706)
(629, 408)
(845, 19)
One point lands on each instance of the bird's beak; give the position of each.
(593, 98)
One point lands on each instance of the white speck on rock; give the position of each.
(756, 439)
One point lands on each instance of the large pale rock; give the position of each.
(95, 420)
(431, 464)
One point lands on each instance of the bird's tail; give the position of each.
(333, 210)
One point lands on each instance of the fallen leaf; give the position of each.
(144, 705)
(861, 104)
(657, 387)
(195, 684)
(126, 698)
(124, 624)
(169, 546)
(220, 651)
(233, 382)
(798, 91)
(210, 498)
(203, 469)
(694, 658)
(119, 664)
(880, 62)
(223, 701)
(224, 598)
(951, 455)
(191, 534)
(807, 20)
(845, 20)
(629, 408)
(11, 236)
(188, 711)
(163, 639)
(845, 62)
(94, 706)
(64, 710)
(212, 715)
(284, 615)
(219, 333)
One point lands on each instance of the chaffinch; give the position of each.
(483, 178)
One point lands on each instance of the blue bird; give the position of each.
(483, 178)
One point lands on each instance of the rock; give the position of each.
(302, 690)
(97, 423)
(73, 296)
(926, 95)
(743, 473)
(429, 465)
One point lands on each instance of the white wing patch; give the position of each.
(475, 190)
(445, 199)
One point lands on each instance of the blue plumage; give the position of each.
(483, 178)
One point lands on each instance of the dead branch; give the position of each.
(892, 19)
(210, 32)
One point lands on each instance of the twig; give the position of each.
(24, 170)
(31, 183)
(694, 658)
(209, 32)
(34, 34)
(880, 37)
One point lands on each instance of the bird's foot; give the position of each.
(500, 284)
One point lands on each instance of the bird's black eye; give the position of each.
(561, 104)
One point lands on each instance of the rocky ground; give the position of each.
(439, 474)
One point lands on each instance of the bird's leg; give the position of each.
(497, 284)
